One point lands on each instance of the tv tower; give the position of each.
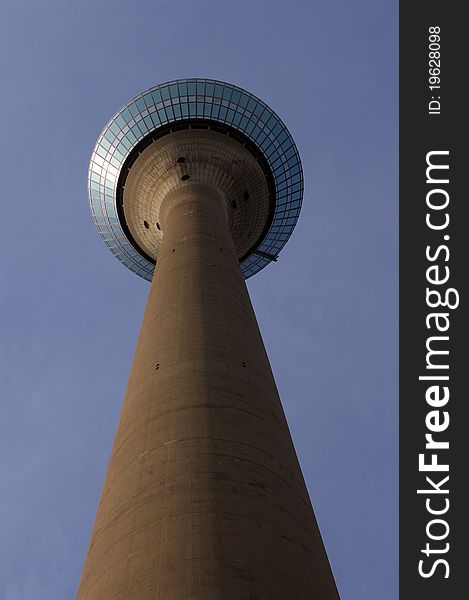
(196, 185)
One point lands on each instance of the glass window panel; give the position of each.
(289, 153)
(277, 129)
(256, 132)
(114, 128)
(243, 100)
(105, 144)
(130, 136)
(133, 109)
(155, 118)
(243, 123)
(282, 137)
(121, 148)
(265, 116)
(136, 131)
(100, 152)
(296, 172)
(251, 105)
(280, 178)
(264, 141)
(156, 96)
(118, 155)
(125, 114)
(110, 136)
(140, 104)
(148, 98)
(249, 127)
(271, 153)
(126, 143)
(258, 110)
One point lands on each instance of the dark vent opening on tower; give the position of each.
(185, 177)
(181, 159)
(146, 224)
(158, 226)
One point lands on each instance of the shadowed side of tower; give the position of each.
(204, 498)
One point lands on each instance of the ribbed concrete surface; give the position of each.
(204, 498)
(209, 157)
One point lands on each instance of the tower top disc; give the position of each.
(263, 217)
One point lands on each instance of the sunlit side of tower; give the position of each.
(196, 185)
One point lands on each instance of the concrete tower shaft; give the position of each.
(204, 498)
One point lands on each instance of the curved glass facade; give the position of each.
(181, 100)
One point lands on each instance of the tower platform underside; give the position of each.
(190, 156)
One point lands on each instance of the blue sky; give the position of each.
(70, 313)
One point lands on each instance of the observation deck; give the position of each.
(195, 131)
